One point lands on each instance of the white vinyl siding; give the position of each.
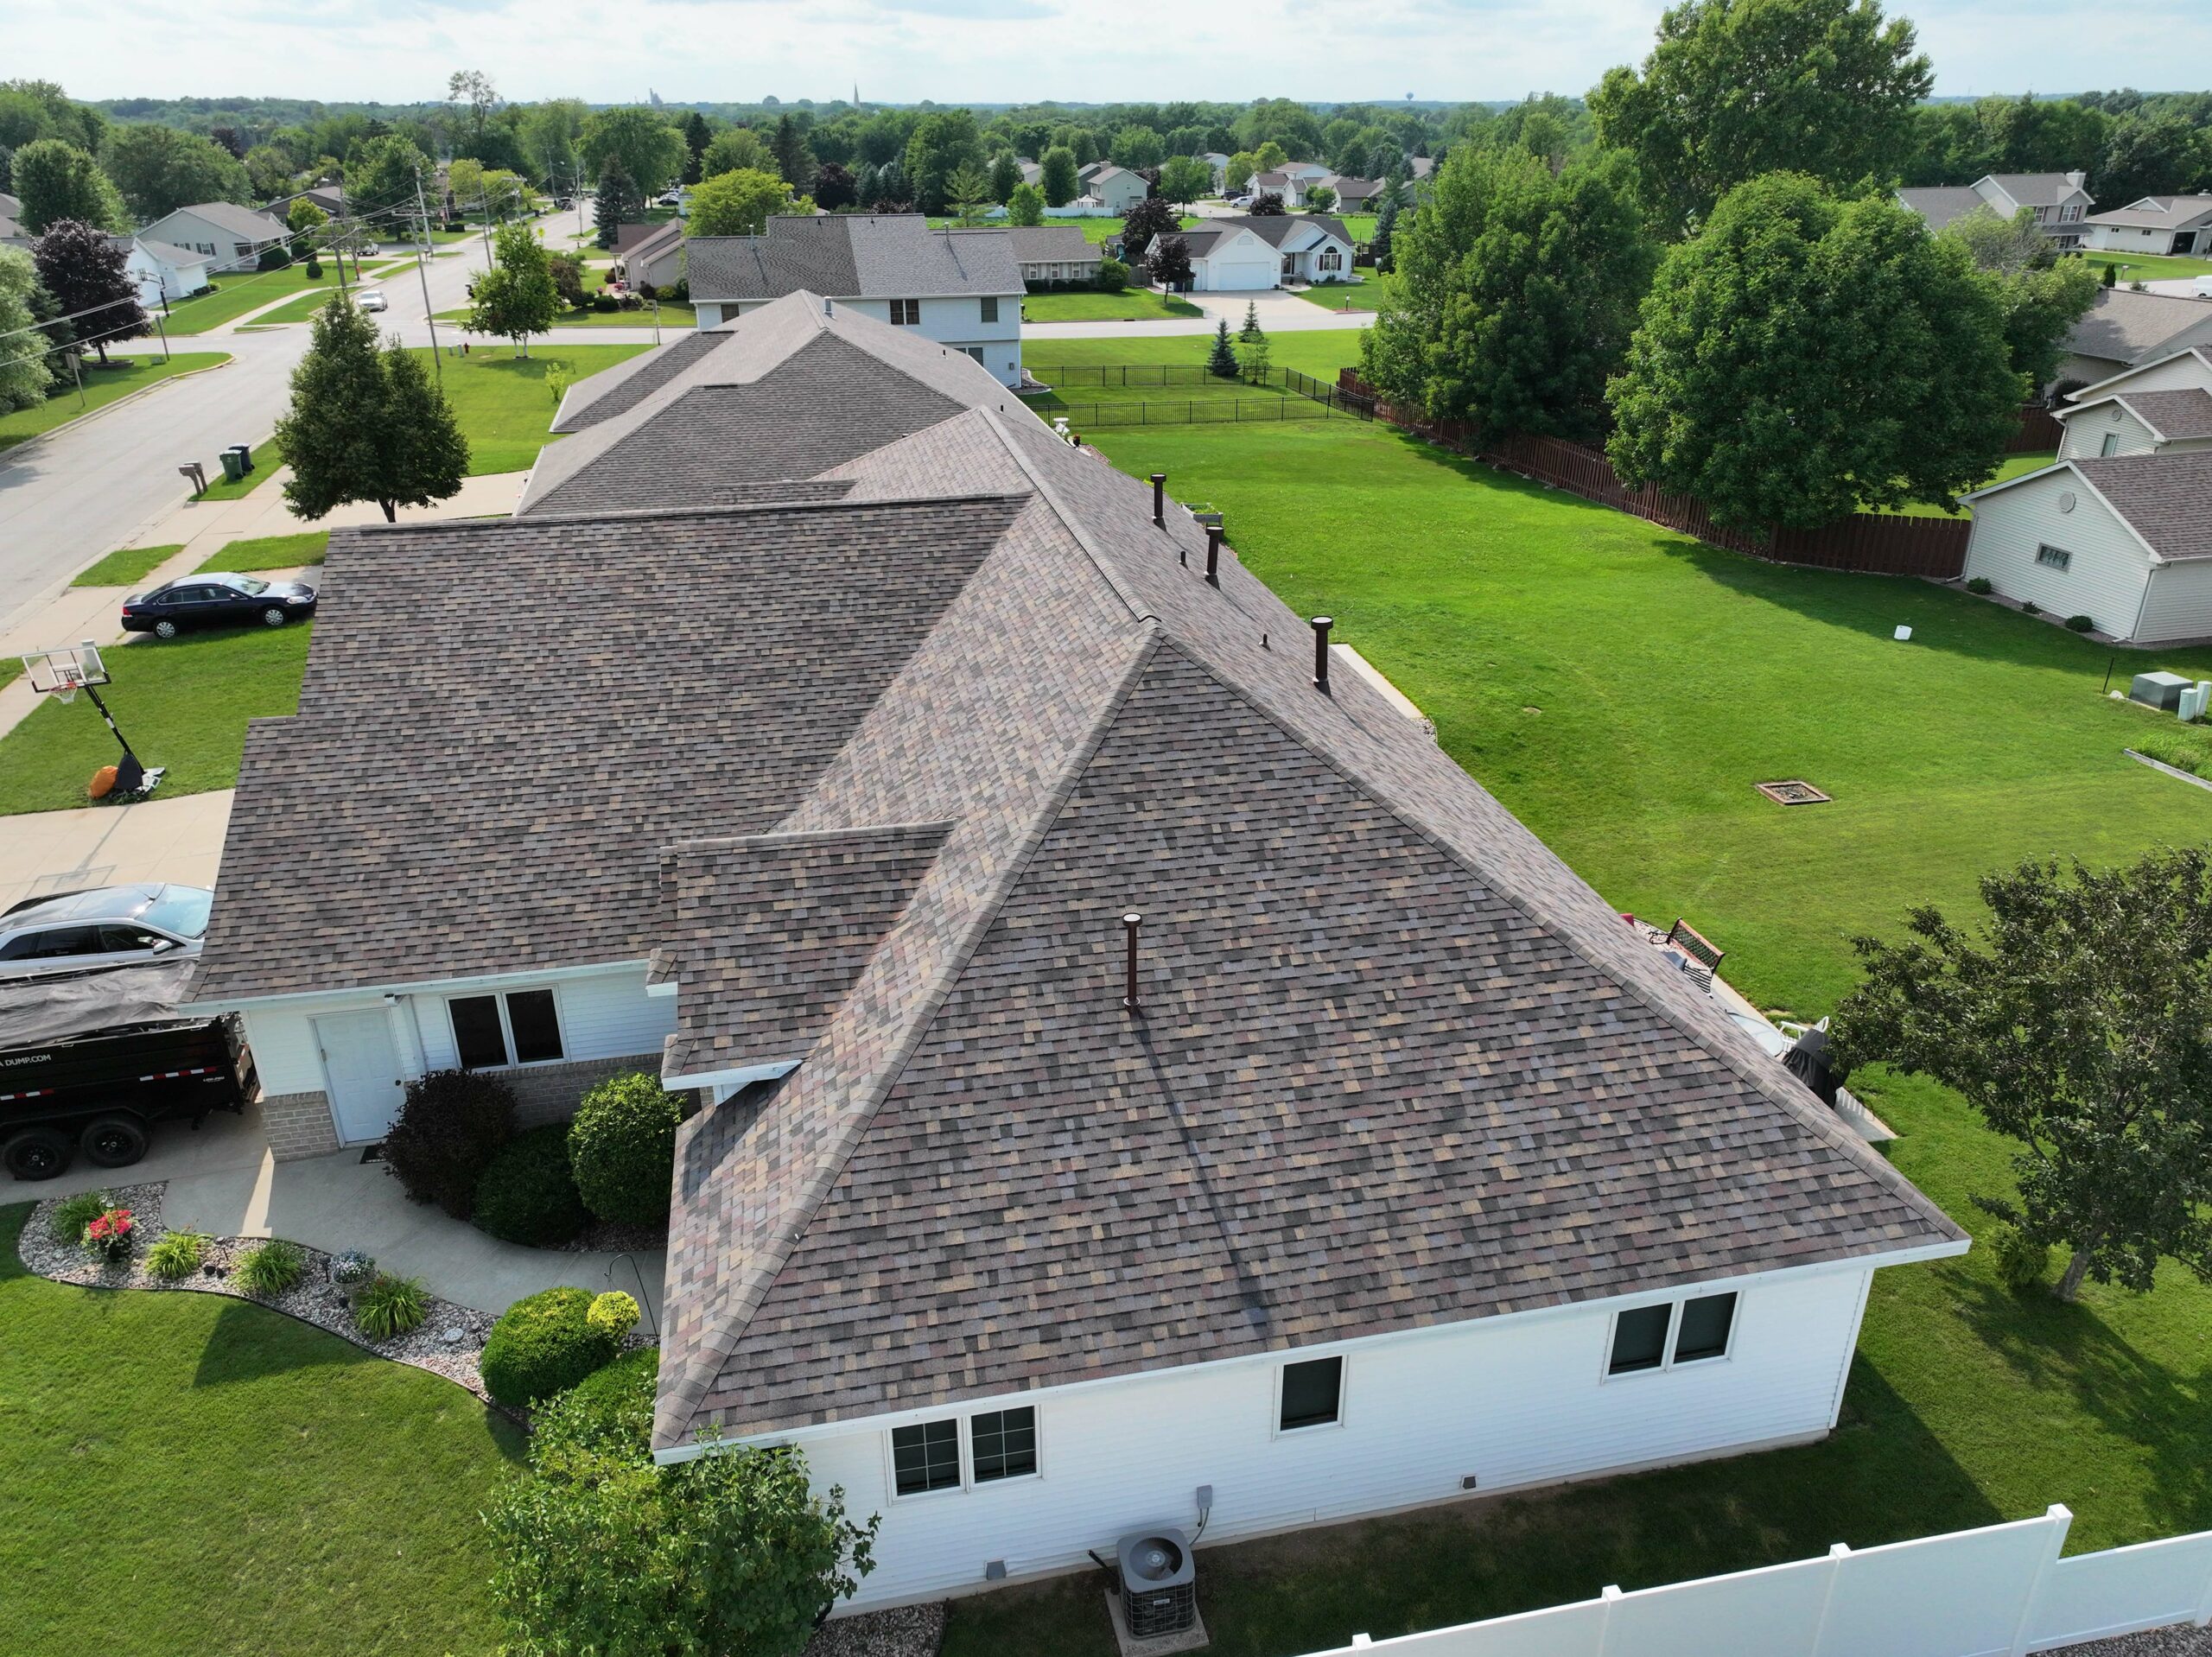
(952, 321)
(2087, 432)
(1513, 1402)
(2180, 605)
(2186, 372)
(2102, 580)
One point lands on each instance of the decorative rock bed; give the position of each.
(448, 1342)
(908, 1631)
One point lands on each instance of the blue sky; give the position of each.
(1000, 50)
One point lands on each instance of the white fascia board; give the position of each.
(1609, 1304)
(2026, 477)
(524, 976)
(737, 1077)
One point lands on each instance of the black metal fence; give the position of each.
(1228, 404)
(1194, 411)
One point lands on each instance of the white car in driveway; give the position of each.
(106, 926)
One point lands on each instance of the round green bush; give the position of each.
(622, 1145)
(613, 1313)
(2021, 1265)
(527, 1195)
(1980, 584)
(450, 1124)
(2081, 624)
(542, 1345)
(611, 1409)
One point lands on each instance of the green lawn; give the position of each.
(1360, 227)
(1131, 305)
(267, 458)
(235, 296)
(1094, 230)
(2146, 267)
(120, 379)
(1365, 295)
(1318, 352)
(126, 566)
(2012, 466)
(183, 702)
(673, 314)
(188, 1473)
(502, 401)
(1621, 688)
(301, 310)
(271, 552)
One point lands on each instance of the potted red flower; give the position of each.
(109, 1238)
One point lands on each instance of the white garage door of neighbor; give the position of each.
(1240, 273)
(363, 1068)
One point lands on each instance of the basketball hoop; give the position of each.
(61, 674)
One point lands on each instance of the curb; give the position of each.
(8, 454)
(2172, 771)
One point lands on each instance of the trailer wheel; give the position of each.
(112, 1142)
(36, 1153)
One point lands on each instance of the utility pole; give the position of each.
(485, 224)
(423, 270)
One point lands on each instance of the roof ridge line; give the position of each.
(1075, 527)
(736, 509)
(1842, 1137)
(779, 837)
(707, 1361)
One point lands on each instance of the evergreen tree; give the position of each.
(793, 159)
(697, 136)
(1386, 231)
(1057, 179)
(86, 271)
(516, 297)
(1251, 331)
(1006, 177)
(1221, 361)
(366, 424)
(619, 201)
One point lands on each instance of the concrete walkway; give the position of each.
(223, 1181)
(179, 839)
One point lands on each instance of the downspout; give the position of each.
(2135, 633)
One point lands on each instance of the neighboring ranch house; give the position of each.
(2178, 224)
(1054, 254)
(2060, 201)
(2161, 407)
(1115, 189)
(1238, 255)
(960, 288)
(161, 271)
(2125, 539)
(329, 198)
(655, 258)
(12, 233)
(2123, 329)
(841, 715)
(1355, 194)
(231, 237)
(1217, 164)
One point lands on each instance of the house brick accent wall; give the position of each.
(298, 1125)
(551, 1093)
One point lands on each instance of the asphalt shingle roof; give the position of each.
(2174, 416)
(2163, 212)
(2125, 327)
(2035, 189)
(1035, 244)
(852, 255)
(1939, 204)
(247, 222)
(2166, 498)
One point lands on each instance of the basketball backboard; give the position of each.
(64, 671)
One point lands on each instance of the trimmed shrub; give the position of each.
(270, 1268)
(1113, 277)
(542, 1345)
(614, 1314)
(391, 1306)
(527, 1195)
(2081, 624)
(622, 1145)
(2021, 1265)
(610, 1411)
(1981, 584)
(451, 1124)
(72, 1214)
(176, 1255)
(2030, 608)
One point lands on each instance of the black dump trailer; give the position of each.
(89, 1063)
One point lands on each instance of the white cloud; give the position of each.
(1000, 50)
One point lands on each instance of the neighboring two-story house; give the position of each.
(2060, 201)
(960, 288)
(1116, 189)
(231, 237)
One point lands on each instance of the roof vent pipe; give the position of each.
(1130, 922)
(1321, 626)
(1160, 499)
(1214, 534)
(827, 308)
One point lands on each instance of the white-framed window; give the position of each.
(975, 352)
(1310, 1393)
(907, 313)
(957, 1453)
(990, 304)
(496, 1032)
(2111, 444)
(1332, 260)
(2055, 558)
(1649, 1339)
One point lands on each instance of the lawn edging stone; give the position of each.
(312, 1300)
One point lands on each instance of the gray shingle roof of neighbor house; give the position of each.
(2157, 212)
(1396, 1065)
(852, 255)
(870, 781)
(2122, 326)
(2163, 496)
(247, 222)
(2174, 416)
(2036, 189)
(1058, 244)
(1939, 204)
(166, 252)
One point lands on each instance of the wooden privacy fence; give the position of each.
(2038, 431)
(1868, 543)
(2000, 1591)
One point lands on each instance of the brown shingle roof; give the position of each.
(2122, 326)
(2166, 499)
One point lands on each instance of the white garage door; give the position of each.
(1235, 272)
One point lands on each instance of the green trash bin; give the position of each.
(233, 465)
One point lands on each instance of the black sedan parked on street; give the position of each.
(213, 600)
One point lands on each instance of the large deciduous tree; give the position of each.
(1516, 294)
(2150, 155)
(24, 376)
(1171, 263)
(87, 273)
(160, 169)
(1145, 219)
(366, 424)
(943, 144)
(1735, 88)
(734, 149)
(58, 183)
(2076, 1026)
(1803, 357)
(516, 297)
(736, 203)
(1184, 178)
(382, 175)
(1057, 176)
(834, 187)
(2043, 297)
(650, 152)
(1026, 206)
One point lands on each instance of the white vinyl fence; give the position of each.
(2000, 1592)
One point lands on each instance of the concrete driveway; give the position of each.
(179, 839)
(223, 1181)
